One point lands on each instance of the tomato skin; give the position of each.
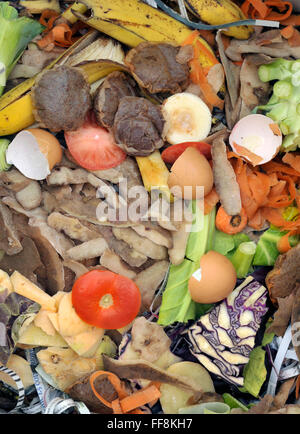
(93, 147)
(171, 154)
(88, 291)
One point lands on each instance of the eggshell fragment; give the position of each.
(49, 145)
(191, 170)
(256, 138)
(34, 152)
(214, 280)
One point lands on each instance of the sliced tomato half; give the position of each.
(105, 299)
(93, 147)
(170, 154)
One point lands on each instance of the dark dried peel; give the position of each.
(9, 237)
(141, 369)
(61, 99)
(138, 126)
(282, 279)
(296, 320)
(155, 67)
(81, 391)
(107, 97)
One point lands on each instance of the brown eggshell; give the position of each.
(48, 144)
(191, 169)
(215, 279)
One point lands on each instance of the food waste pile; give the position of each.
(149, 207)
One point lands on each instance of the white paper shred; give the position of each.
(280, 372)
(20, 387)
(59, 405)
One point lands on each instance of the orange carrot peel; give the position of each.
(125, 403)
(198, 73)
(265, 9)
(267, 191)
(60, 34)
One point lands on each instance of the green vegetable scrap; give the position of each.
(233, 402)
(242, 258)
(255, 372)
(266, 251)
(227, 244)
(284, 104)
(177, 304)
(238, 248)
(15, 34)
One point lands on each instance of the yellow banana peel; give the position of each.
(217, 12)
(95, 70)
(132, 22)
(16, 116)
(68, 14)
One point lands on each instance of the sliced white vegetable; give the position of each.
(188, 119)
(25, 154)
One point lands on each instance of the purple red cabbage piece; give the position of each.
(223, 339)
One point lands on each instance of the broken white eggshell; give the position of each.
(25, 154)
(256, 138)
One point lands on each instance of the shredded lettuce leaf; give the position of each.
(227, 244)
(255, 372)
(15, 34)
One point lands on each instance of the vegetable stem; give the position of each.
(243, 257)
(282, 89)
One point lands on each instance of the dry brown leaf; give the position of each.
(263, 407)
(282, 279)
(282, 316)
(296, 320)
(283, 393)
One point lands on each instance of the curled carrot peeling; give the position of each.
(57, 32)
(125, 403)
(267, 10)
(266, 191)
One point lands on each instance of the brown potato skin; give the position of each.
(81, 391)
